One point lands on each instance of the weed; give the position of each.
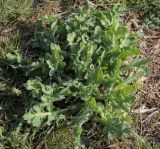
(82, 67)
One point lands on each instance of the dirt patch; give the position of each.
(42, 8)
(20, 32)
(148, 123)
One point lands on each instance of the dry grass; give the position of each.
(148, 124)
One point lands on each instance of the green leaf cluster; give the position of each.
(87, 68)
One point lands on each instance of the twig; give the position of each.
(142, 110)
(150, 116)
(146, 37)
